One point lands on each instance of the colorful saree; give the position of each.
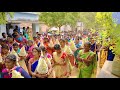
(30, 55)
(34, 65)
(30, 34)
(10, 46)
(8, 74)
(103, 57)
(21, 40)
(84, 70)
(60, 67)
(69, 52)
(49, 50)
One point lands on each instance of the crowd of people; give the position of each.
(51, 56)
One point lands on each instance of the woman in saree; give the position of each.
(4, 54)
(36, 41)
(10, 41)
(19, 39)
(65, 48)
(10, 63)
(30, 33)
(49, 49)
(93, 45)
(33, 62)
(45, 53)
(49, 61)
(29, 50)
(61, 64)
(78, 41)
(25, 33)
(87, 62)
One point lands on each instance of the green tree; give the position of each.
(59, 19)
(110, 30)
(3, 16)
(88, 18)
(105, 21)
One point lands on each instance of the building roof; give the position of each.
(23, 21)
(30, 12)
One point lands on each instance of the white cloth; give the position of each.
(11, 31)
(105, 72)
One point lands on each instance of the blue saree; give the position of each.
(34, 65)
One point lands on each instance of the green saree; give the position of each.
(84, 70)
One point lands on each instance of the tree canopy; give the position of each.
(58, 19)
(3, 17)
(111, 30)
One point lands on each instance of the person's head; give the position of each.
(57, 48)
(23, 28)
(43, 49)
(10, 38)
(66, 40)
(21, 34)
(36, 33)
(3, 42)
(15, 30)
(16, 27)
(15, 46)
(30, 42)
(91, 39)
(10, 61)
(77, 40)
(62, 42)
(46, 40)
(5, 49)
(39, 34)
(80, 38)
(36, 52)
(27, 28)
(87, 46)
(35, 38)
(4, 35)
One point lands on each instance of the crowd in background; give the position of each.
(51, 56)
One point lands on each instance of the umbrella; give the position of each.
(54, 29)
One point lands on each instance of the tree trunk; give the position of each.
(59, 29)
